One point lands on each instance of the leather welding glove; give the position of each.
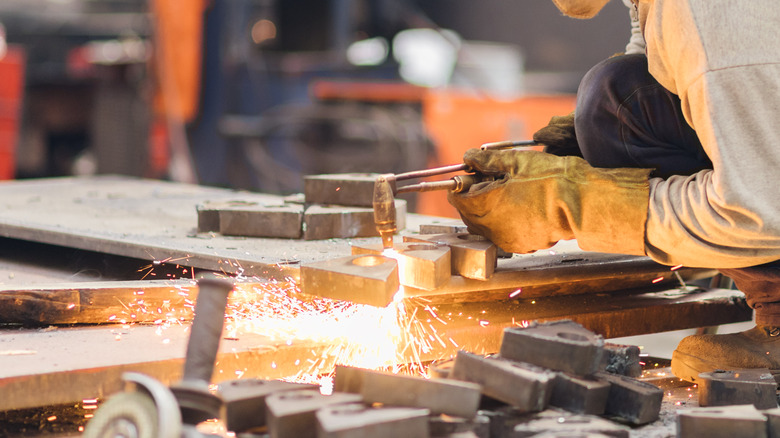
(538, 199)
(558, 137)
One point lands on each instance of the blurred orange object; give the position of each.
(11, 94)
(177, 45)
(457, 121)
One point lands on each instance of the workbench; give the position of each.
(74, 251)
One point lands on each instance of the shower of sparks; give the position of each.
(401, 338)
(389, 338)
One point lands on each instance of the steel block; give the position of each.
(354, 189)
(420, 265)
(743, 421)
(336, 221)
(579, 395)
(363, 279)
(559, 345)
(348, 379)
(208, 213)
(632, 400)
(282, 221)
(440, 396)
(440, 369)
(568, 426)
(622, 359)
(359, 421)
(526, 387)
(472, 256)
(243, 400)
(444, 226)
(290, 414)
(737, 387)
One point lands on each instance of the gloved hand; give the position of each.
(539, 199)
(558, 137)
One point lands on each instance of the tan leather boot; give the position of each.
(758, 347)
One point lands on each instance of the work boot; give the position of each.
(758, 347)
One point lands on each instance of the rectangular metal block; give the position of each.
(243, 400)
(360, 421)
(472, 256)
(291, 414)
(568, 426)
(737, 387)
(281, 221)
(632, 400)
(622, 359)
(337, 221)
(558, 345)
(348, 379)
(580, 395)
(526, 387)
(743, 421)
(420, 265)
(444, 226)
(208, 212)
(439, 396)
(364, 279)
(355, 189)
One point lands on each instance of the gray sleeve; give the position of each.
(636, 43)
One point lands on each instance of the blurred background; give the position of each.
(254, 94)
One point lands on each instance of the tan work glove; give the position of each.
(559, 137)
(539, 199)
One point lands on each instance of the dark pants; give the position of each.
(625, 118)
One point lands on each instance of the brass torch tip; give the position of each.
(387, 240)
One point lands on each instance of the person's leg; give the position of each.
(625, 118)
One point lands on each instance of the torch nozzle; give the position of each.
(384, 209)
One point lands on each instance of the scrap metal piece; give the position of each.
(290, 414)
(208, 213)
(358, 421)
(526, 387)
(281, 221)
(579, 395)
(568, 426)
(472, 256)
(721, 422)
(348, 379)
(422, 266)
(353, 189)
(363, 279)
(632, 400)
(440, 369)
(444, 226)
(336, 221)
(622, 359)
(735, 387)
(558, 345)
(243, 401)
(440, 396)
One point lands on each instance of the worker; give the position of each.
(680, 149)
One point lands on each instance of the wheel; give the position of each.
(125, 415)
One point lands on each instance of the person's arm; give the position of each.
(728, 80)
